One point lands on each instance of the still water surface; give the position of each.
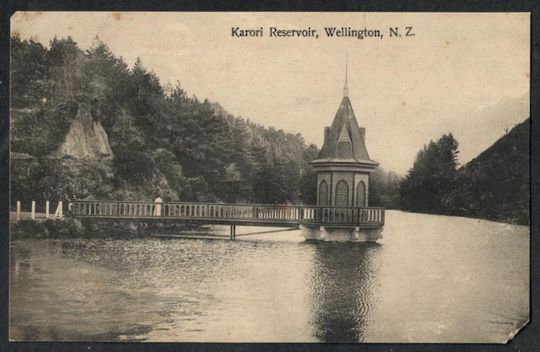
(430, 279)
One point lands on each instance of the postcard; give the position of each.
(269, 177)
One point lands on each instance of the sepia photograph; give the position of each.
(337, 177)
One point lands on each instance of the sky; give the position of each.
(464, 73)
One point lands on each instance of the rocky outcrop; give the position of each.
(86, 138)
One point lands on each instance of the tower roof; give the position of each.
(344, 140)
(344, 135)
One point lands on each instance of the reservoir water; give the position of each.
(430, 279)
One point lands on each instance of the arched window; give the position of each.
(323, 194)
(342, 194)
(361, 194)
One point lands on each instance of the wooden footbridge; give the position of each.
(230, 214)
(211, 213)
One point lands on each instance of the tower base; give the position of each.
(341, 234)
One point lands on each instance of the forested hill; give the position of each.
(496, 182)
(494, 185)
(140, 138)
(163, 142)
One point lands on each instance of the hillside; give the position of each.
(494, 185)
(496, 182)
(85, 125)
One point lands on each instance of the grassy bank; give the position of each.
(73, 228)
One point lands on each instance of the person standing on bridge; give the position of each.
(157, 207)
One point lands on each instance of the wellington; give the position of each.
(347, 32)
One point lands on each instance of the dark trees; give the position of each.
(384, 189)
(494, 185)
(163, 141)
(427, 186)
(308, 180)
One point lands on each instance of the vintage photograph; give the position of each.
(269, 177)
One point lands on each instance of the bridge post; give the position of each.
(233, 232)
(254, 213)
(46, 209)
(58, 212)
(18, 213)
(33, 210)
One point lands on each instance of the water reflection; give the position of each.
(342, 283)
(20, 265)
(428, 283)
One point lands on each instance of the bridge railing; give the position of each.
(229, 212)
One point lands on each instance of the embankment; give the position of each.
(73, 228)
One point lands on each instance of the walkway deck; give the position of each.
(230, 214)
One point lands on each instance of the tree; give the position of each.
(432, 177)
(261, 179)
(276, 179)
(109, 83)
(308, 180)
(133, 166)
(70, 79)
(30, 73)
(384, 189)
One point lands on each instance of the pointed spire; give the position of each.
(346, 88)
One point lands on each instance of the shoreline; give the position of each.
(74, 228)
(122, 229)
